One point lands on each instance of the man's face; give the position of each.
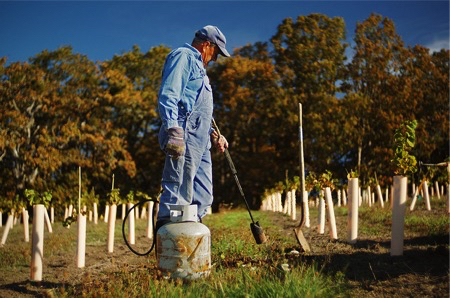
(210, 53)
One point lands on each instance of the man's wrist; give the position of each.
(168, 124)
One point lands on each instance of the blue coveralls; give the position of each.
(188, 97)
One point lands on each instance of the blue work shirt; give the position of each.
(182, 81)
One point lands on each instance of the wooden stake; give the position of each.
(303, 200)
(79, 189)
(302, 161)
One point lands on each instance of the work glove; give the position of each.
(219, 141)
(175, 146)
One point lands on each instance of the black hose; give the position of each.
(154, 228)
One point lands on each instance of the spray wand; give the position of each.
(256, 229)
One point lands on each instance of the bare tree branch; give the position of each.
(30, 109)
(33, 176)
(15, 105)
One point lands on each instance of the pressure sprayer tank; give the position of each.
(183, 246)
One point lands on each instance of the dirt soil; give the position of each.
(61, 272)
(422, 271)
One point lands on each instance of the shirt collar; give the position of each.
(196, 52)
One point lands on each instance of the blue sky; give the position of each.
(102, 29)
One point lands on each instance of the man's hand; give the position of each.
(175, 146)
(219, 141)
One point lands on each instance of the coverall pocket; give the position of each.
(172, 170)
(194, 123)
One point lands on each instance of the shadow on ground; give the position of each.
(35, 289)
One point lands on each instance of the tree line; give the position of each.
(61, 111)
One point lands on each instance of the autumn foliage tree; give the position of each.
(61, 111)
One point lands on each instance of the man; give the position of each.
(185, 106)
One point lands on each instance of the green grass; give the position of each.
(426, 225)
(265, 281)
(377, 222)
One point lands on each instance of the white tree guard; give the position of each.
(81, 242)
(131, 228)
(414, 199)
(321, 214)
(344, 197)
(426, 196)
(306, 209)
(438, 193)
(48, 224)
(106, 215)
(37, 247)
(111, 227)
(8, 227)
(353, 204)
(124, 210)
(293, 205)
(398, 214)
(52, 215)
(380, 196)
(26, 230)
(95, 213)
(331, 217)
(150, 220)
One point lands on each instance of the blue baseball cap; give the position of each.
(214, 35)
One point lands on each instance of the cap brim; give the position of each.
(224, 52)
